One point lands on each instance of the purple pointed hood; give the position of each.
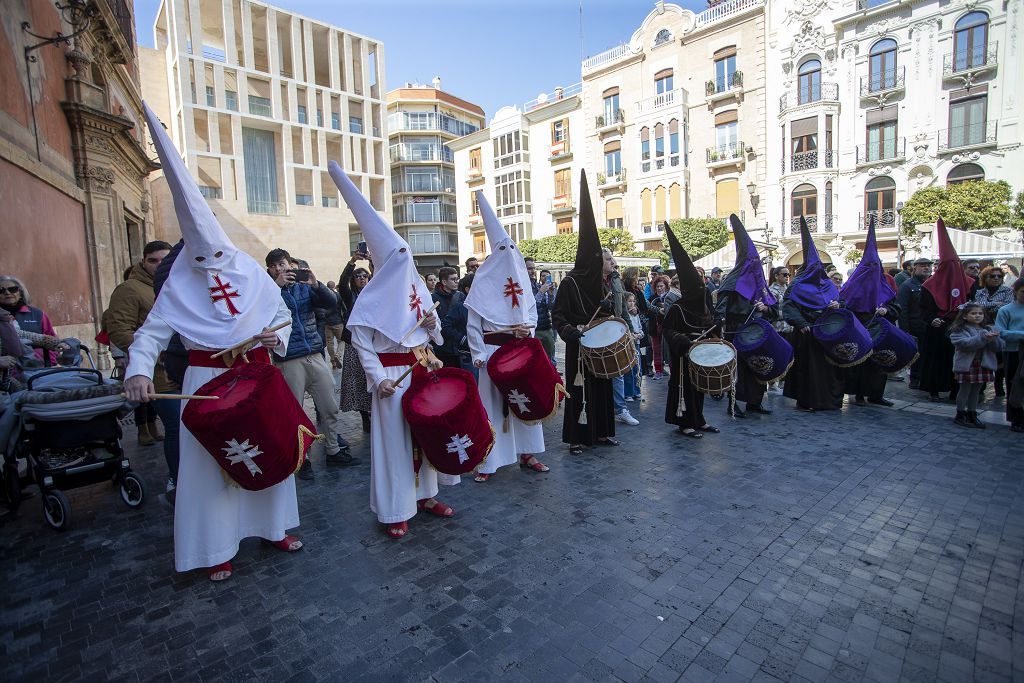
(867, 288)
(812, 288)
(747, 276)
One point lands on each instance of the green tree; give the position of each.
(660, 255)
(699, 236)
(853, 256)
(615, 240)
(973, 205)
(553, 249)
(1018, 211)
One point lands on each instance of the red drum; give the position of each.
(531, 386)
(447, 419)
(257, 432)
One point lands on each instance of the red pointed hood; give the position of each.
(950, 286)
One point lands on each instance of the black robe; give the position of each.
(572, 308)
(679, 335)
(935, 367)
(868, 379)
(733, 310)
(813, 382)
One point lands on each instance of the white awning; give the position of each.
(974, 245)
(725, 258)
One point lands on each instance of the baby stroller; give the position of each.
(70, 436)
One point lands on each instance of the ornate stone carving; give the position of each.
(966, 156)
(801, 10)
(810, 38)
(920, 176)
(144, 202)
(920, 145)
(880, 170)
(98, 143)
(97, 178)
(80, 62)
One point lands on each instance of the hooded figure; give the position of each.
(812, 381)
(583, 297)
(214, 297)
(685, 320)
(869, 294)
(743, 296)
(389, 320)
(501, 298)
(942, 295)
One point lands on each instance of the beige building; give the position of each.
(527, 162)
(421, 121)
(676, 118)
(258, 100)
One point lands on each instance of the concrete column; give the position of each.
(247, 47)
(332, 50)
(273, 45)
(228, 22)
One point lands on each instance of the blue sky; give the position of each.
(485, 51)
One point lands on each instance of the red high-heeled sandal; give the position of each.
(536, 465)
(220, 572)
(397, 530)
(439, 509)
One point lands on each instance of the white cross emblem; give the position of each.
(243, 452)
(519, 399)
(459, 444)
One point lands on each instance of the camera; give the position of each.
(301, 274)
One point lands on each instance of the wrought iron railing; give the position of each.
(725, 83)
(610, 119)
(727, 152)
(882, 150)
(806, 161)
(824, 92)
(983, 133)
(123, 17)
(882, 81)
(962, 61)
(884, 219)
(815, 223)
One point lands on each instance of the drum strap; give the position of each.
(396, 360)
(205, 359)
(498, 338)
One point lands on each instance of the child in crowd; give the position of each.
(632, 379)
(976, 346)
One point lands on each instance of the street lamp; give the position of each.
(752, 193)
(899, 234)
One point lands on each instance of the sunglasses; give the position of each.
(784, 274)
(995, 276)
(11, 290)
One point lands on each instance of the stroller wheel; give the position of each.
(132, 490)
(57, 510)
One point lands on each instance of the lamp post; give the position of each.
(899, 234)
(754, 198)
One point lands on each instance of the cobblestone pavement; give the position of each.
(869, 544)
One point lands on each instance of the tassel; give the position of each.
(579, 379)
(682, 401)
(583, 414)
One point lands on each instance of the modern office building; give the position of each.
(421, 121)
(258, 100)
(527, 162)
(874, 100)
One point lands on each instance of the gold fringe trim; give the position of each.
(892, 372)
(776, 379)
(848, 365)
(559, 389)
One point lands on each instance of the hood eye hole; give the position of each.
(402, 250)
(502, 247)
(218, 254)
(200, 258)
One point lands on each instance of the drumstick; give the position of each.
(250, 340)
(598, 309)
(509, 329)
(429, 311)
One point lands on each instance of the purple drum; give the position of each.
(845, 340)
(763, 350)
(894, 349)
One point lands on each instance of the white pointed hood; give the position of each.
(215, 295)
(396, 297)
(501, 291)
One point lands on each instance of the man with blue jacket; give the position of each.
(304, 367)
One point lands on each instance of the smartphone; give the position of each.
(301, 274)
(548, 279)
(361, 248)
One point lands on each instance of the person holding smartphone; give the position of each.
(544, 293)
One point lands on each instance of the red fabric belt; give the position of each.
(396, 360)
(498, 338)
(205, 359)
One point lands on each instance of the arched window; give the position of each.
(664, 35)
(882, 67)
(645, 149)
(880, 202)
(970, 41)
(809, 81)
(965, 173)
(804, 203)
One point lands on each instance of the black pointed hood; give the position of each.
(588, 269)
(691, 285)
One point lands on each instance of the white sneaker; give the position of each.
(625, 418)
(629, 399)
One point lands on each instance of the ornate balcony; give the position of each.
(967, 137)
(885, 151)
(808, 161)
(815, 224)
(967, 65)
(615, 181)
(719, 89)
(826, 92)
(884, 219)
(614, 122)
(672, 98)
(883, 84)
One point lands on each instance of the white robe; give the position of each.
(393, 487)
(520, 438)
(211, 516)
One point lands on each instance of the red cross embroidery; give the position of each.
(414, 303)
(222, 293)
(513, 290)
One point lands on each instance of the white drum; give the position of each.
(608, 348)
(712, 366)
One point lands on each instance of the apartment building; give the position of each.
(421, 121)
(527, 162)
(675, 118)
(258, 100)
(877, 99)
